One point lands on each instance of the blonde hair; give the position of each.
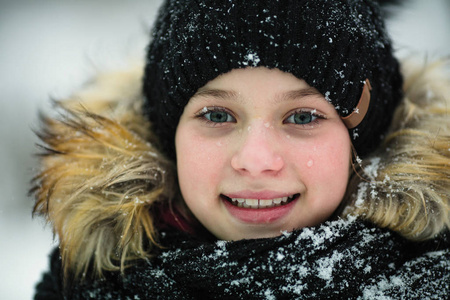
(405, 185)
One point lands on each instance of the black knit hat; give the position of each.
(333, 45)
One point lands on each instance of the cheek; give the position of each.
(200, 163)
(333, 162)
(323, 162)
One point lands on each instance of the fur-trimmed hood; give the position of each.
(102, 176)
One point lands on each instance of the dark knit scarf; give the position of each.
(337, 260)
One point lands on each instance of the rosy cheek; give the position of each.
(201, 159)
(323, 159)
(334, 161)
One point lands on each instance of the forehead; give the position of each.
(260, 82)
(252, 75)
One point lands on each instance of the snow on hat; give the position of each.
(333, 45)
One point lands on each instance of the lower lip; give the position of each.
(260, 215)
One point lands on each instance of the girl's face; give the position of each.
(259, 151)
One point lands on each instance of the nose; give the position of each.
(257, 153)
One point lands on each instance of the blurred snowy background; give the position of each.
(48, 48)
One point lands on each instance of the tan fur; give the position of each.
(410, 190)
(101, 172)
(100, 176)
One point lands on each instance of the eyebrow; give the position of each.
(231, 95)
(298, 94)
(215, 93)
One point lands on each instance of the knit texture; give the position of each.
(343, 259)
(333, 45)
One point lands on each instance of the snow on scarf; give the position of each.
(343, 259)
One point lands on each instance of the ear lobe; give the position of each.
(360, 111)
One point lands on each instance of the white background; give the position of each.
(48, 48)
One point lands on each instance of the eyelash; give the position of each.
(208, 110)
(314, 114)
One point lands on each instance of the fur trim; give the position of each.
(101, 172)
(101, 176)
(407, 180)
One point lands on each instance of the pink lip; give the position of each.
(261, 215)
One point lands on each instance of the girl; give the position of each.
(268, 170)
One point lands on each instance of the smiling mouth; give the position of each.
(260, 203)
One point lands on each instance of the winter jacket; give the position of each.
(102, 175)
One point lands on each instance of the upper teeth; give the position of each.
(259, 203)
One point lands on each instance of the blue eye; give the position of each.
(301, 118)
(219, 116)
